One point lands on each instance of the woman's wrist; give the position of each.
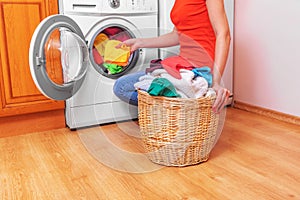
(139, 43)
(216, 80)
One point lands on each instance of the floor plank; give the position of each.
(255, 158)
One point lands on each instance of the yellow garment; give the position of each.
(115, 55)
(100, 42)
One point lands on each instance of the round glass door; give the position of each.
(108, 55)
(58, 57)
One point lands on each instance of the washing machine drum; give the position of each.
(109, 56)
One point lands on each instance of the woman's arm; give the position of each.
(166, 40)
(220, 25)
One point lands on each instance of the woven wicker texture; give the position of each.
(177, 131)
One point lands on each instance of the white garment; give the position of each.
(144, 82)
(210, 93)
(200, 86)
(182, 85)
(187, 87)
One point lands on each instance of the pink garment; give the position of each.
(97, 57)
(112, 31)
(122, 36)
(173, 64)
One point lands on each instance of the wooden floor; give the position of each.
(255, 158)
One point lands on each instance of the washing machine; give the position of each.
(72, 43)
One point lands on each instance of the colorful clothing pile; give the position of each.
(109, 52)
(193, 82)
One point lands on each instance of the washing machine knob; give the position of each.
(114, 3)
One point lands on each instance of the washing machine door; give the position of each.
(58, 57)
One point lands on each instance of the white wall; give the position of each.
(227, 77)
(266, 54)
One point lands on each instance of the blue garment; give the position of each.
(205, 73)
(124, 87)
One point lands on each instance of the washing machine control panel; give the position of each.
(130, 6)
(107, 7)
(114, 3)
(142, 5)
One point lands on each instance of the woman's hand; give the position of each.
(134, 44)
(222, 97)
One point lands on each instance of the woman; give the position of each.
(202, 31)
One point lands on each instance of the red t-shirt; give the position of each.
(196, 35)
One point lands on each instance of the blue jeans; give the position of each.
(124, 87)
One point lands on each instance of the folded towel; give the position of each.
(115, 55)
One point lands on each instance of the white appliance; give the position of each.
(67, 41)
(165, 26)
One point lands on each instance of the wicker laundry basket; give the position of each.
(177, 131)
